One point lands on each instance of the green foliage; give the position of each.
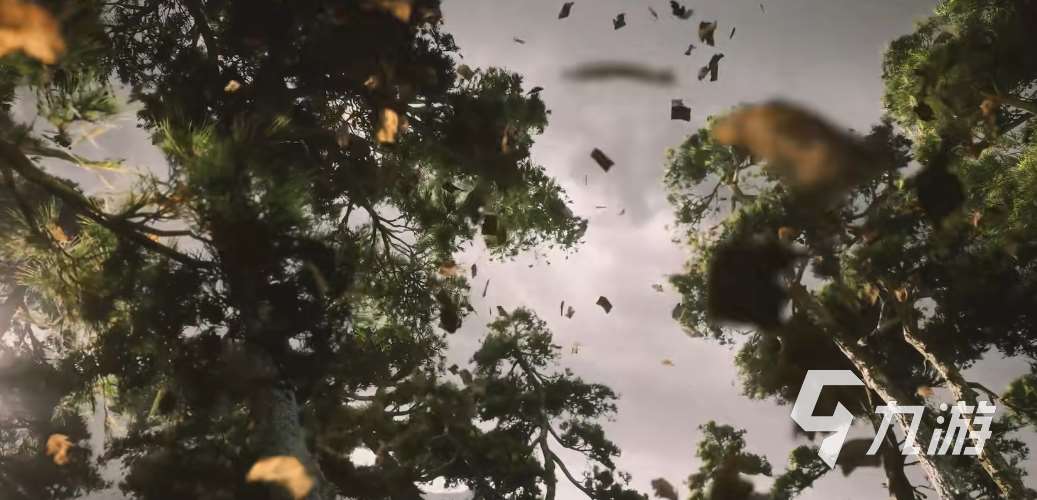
(724, 461)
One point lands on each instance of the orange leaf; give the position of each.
(57, 233)
(31, 29)
(285, 471)
(900, 294)
(786, 233)
(388, 126)
(232, 86)
(401, 9)
(58, 446)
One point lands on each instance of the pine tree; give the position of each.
(283, 289)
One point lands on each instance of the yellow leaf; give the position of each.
(57, 233)
(285, 471)
(871, 292)
(901, 294)
(58, 446)
(388, 126)
(401, 9)
(31, 29)
(372, 82)
(232, 86)
(667, 362)
(786, 233)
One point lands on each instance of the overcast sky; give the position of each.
(823, 53)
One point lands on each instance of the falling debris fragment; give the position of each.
(283, 470)
(567, 8)
(677, 312)
(475, 270)
(569, 312)
(680, 11)
(732, 35)
(925, 391)
(712, 69)
(603, 160)
(518, 40)
(31, 29)
(657, 287)
(232, 87)
(561, 309)
(502, 312)
(58, 446)
(388, 125)
(600, 207)
(623, 211)
(619, 21)
(762, 9)
(706, 30)
(485, 288)
(678, 111)
(742, 282)
(575, 348)
(655, 15)
(691, 47)
(667, 362)
(605, 304)
(610, 70)
(900, 294)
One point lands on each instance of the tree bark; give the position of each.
(993, 463)
(876, 379)
(279, 430)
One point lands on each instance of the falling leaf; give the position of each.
(449, 269)
(678, 111)
(743, 285)
(712, 69)
(680, 11)
(667, 362)
(475, 270)
(655, 15)
(400, 9)
(519, 40)
(29, 28)
(809, 151)
(925, 391)
(619, 21)
(485, 288)
(657, 287)
(57, 233)
(283, 470)
(605, 304)
(706, 30)
(732, 35)
(900, 294)
(663, 489)
(388, 126)
(620, 71)
(575, 348)
(603, 160)
(939, 192)
(976, 217)
(58, 446)
(232, 87)
(449, 315)
(569, 312)
(567, 8)
(623, 211)
(871, 292)
(691, 47)
(677, 312)
(372, 82)
(787, 233)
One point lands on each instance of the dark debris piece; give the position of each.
(706, 30)
(519, 40)
(678, 111)
(732, 35)
(605, 304)
(502, 312)
(680, 11)
(743, 282)
(603, 160)
(567, 8)
(655, 15)
(691, 47)
(939, 192)
(475, 270)
(712, 69)
(616, 70)
(485, 288)
(569, 312)
(619, 21)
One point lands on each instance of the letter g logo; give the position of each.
(840, 420)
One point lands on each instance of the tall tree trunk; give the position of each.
(876, 379)
(993, 463)
(279, 430)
